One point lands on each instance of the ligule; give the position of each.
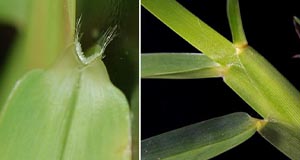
(97, 50)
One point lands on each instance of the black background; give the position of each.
(171, 104)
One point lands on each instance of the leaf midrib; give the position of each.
(72, 107)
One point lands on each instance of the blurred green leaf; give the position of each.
(202, 140)
(179, 66)
(283, 136)
(48, 30)
(70, 111)
(15, 12)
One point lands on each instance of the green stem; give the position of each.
(235, 22)
(192, 29)
(263, 87)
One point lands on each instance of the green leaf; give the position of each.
(202, 140)
(283, 136)
(70, 111)
(235, 22)
(179, 66)
(15, 12)
(192, 29)
(49, 29)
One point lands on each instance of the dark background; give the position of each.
(7, 37)
(171, 104)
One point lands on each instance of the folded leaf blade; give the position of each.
(67, 112)
(202, 140)
(179, 66)
(27, 132)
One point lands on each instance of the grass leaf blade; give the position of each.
(179, 66)
(192, 29)
(203, 140)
